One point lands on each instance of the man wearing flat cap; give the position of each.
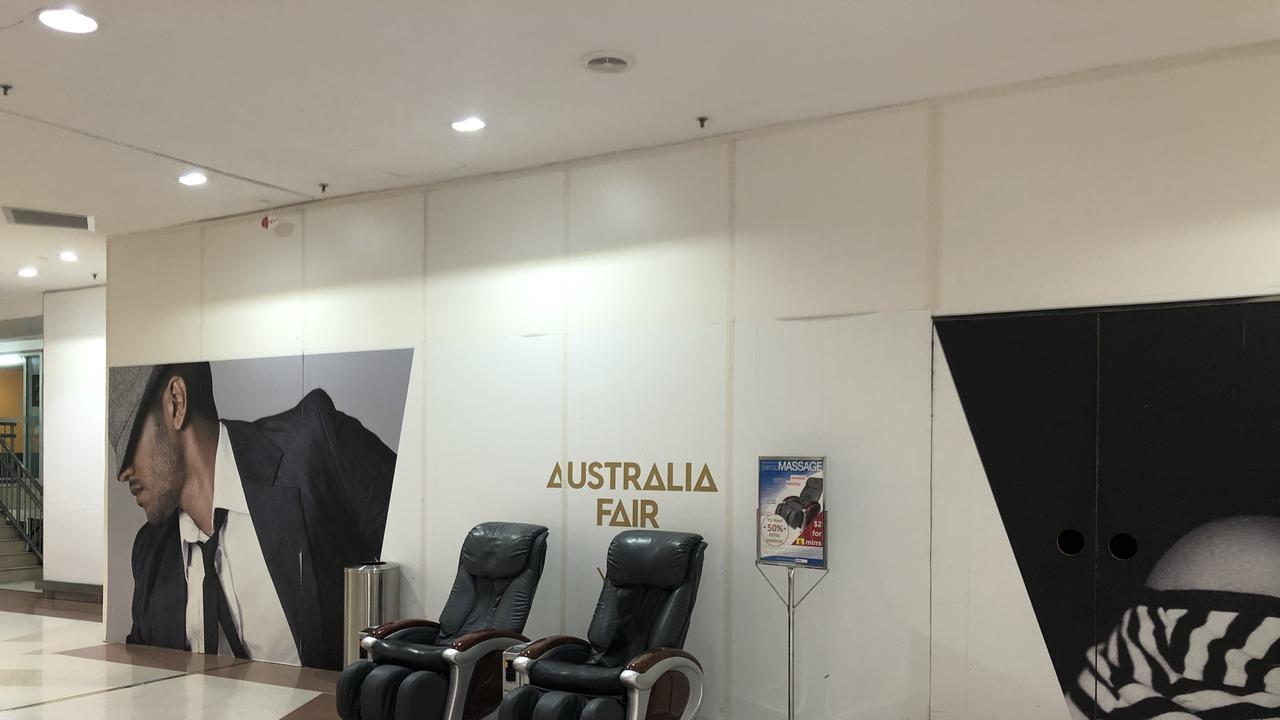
(249, 524)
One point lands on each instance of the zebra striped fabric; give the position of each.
(1187, 654)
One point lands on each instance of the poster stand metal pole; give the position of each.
(791, 643)
(791, 604)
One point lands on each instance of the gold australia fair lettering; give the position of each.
(624, 476)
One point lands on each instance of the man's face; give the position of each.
(157, 469)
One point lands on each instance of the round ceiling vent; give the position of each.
(607, 62)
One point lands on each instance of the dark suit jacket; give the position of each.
(317, 484)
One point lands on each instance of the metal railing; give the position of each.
(21, 493)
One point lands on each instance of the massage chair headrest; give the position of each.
(812, 490)
(653, 558)
(502, 550)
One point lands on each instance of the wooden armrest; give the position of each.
(385, 629)
(470, 640)
(645, 661)
(538, 647)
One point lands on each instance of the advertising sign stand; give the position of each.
(791, 604)
(791, 528)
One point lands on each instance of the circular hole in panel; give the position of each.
(1123, 546)
(1070, 542)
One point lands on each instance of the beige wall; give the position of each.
(760, 294)
(19, 305)
(75, 416)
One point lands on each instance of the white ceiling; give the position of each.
(280, 96)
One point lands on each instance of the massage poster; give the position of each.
(791, 512)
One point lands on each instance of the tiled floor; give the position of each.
(53, 664)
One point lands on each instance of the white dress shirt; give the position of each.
(251, 596)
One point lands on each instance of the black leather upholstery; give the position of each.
(531, 703)
(496, 550)
(412, 655)
(800, 510)
(637, 557)
(603, 709)
(498, 573)
(575, 677)
(648, 595)
(417, 635)
(647, 601)
(422, 695)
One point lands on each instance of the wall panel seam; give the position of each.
(933, 379)
(200, 349)
(933, 203)
(564, 405)
(425, 481)
(731, 319)
(303, 291)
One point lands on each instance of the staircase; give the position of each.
(17, 562)
(21, 515)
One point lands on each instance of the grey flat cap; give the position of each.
(129, 389)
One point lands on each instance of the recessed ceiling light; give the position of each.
(193, 179)
(470, 124)
(68, 256)
(28, 272)
(68, 21)
(607, 62)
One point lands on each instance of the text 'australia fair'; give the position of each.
(631, 476)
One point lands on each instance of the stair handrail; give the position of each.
(24, 476)
(28, 524)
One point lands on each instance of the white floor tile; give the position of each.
(189, 696)
(27, 678)
(37, 682)
(22, 634)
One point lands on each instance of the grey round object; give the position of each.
(607, 62)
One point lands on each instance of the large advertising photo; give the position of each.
(1133, 455)
(241, 489)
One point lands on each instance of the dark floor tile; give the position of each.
(162, 658)
(302, 678)
(35, 604)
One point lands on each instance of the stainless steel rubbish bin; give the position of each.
(371, 596)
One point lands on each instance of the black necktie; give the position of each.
(215, 603)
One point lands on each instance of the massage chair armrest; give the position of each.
(558, 647)
(470, 648)
(645, 669)
(424, 632)
(538, 648)
(396, 650)
(385, 629)
(665, 680)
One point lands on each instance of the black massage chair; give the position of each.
(631, 666)
(452, 670)
(800, 511)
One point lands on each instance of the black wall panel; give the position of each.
(1028, 385)
(1146, 429)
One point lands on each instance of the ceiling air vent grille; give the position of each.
(41, 218)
